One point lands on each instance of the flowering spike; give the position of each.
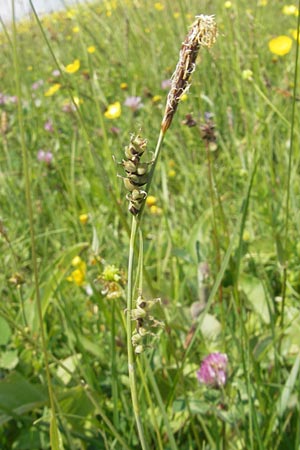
(203, 32)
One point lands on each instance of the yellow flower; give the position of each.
(91, 49)
(290, 10)
(280, 45)
(83, 218)
(156, 98)
(159, 6)
(76, 29)
(113, 111)
(176, 15)
(227, 5)
(124, 86)
(172, 173)
(29, 68)
(77, 277)
(183, 98)
(262, 2)
(294, 34)
(155, 210)
(52, 89)
(73, 67)
(151, 200)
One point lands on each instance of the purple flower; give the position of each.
(134, 103)
(37, 84)
(48, 126)
(56, 73)
(166, 84)
(45, 157)
(213, 368)
(6, 99)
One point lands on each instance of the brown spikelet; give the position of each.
(203, 32)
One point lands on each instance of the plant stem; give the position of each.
(130, 352)
(131, 357)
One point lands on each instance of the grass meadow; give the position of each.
(216, 360)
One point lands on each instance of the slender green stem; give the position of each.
(130, 352)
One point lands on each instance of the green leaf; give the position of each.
(256, 295)
(283, 401)
(5, 332)
(18, 396)
(9, 360)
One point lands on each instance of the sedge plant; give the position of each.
(202, 33)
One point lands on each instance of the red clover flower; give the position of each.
(212, 371)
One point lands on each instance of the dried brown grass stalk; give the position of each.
(203, 32)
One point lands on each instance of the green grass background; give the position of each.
(235, 208)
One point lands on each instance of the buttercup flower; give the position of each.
(290, 10)
(83, 218)
(159, 6)
(150, 200)
(113, 111)
(280, 45)
(227, 5)
(91, 49)
(156, 98)
(52, 89)
(134, 103)
(78, 275)
(212, 371)
(73, 67)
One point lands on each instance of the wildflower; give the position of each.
(176, 15)
(155, 210)
(37, 84)
(124, 86)
(166, 84)
(134, 103)
(290, 10)
(227, 5)
(280, 45)
(73, 67)
(156, 98)
(113, 111)
(55, 73)
(77, 276)
(203, 32)
(295, 34)
(159, 6)
(150, 200)
(45, 157)
(68, 107)
(76, 29)
(262, 2)
(172, 173)
(83, 218)
(48, 126)
(29, 68)
(52, 89)
(91, 49)
(112, 281)
(212, 371)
